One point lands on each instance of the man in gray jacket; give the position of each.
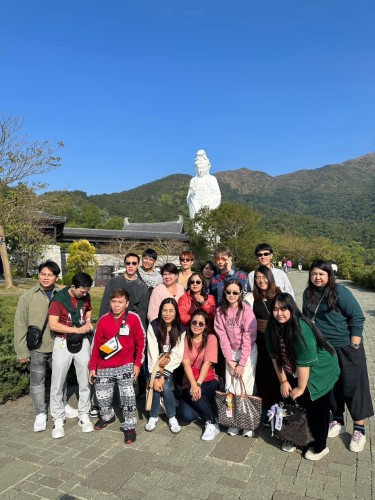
(32, 310)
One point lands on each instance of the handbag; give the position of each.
(242, 411)
(289, 423)
(159, 367)
(34, 336)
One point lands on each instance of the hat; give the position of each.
(74, 342)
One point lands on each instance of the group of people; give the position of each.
(194, 331)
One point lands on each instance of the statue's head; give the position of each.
(202, 163)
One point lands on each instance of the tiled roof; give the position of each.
(50, 218)
(174, 227)
(132, 231)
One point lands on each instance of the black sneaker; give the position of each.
(102, 424)
(94, 412)
(130, 436)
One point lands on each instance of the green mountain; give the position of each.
(335, 200)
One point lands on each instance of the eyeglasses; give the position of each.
(231, 292)
(261, 278)
(131, 263)
(185, 259)
(221, 259)
(263, 254)
(198, 323)
(45, 275)
(195, 282)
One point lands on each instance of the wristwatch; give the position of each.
(355, 345)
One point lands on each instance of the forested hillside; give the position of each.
(335, 201)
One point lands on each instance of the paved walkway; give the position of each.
(165, 466)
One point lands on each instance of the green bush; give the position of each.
(15, 376)
(364, 276)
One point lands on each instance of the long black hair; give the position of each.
(272, 289)
(206, 332)
(330, 290)
(176, 328)
(224, 305)
(290, 332)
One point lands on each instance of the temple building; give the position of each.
(144, 233)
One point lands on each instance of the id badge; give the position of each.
(165, 348)
(124, 330)
(62, 343)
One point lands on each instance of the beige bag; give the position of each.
(159, 367)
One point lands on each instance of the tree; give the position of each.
(232, 224)
(19, 160)
(81, 259)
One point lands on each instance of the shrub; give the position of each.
(364, 276)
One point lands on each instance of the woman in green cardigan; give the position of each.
(306, 366)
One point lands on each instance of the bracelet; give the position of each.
(199, 385)
(283, 382)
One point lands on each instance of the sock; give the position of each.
(339, 420)
(360, 428)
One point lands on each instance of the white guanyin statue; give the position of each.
(204, 189)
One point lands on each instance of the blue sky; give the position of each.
(135, 87)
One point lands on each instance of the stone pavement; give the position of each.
(165, 466)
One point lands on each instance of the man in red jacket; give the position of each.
(117, 356)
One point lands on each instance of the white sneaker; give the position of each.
(40, 423)
(233, 431)
(58, 428)
(71, 412)
(210, 432)
(288, 447)
(248, 433)
(358, 441)
(174, 425)
(151, 424)
(335, 429)
(311, 455)
(85, 424)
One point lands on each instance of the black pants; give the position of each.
(352, 387)
(317, 413)
(318, 419)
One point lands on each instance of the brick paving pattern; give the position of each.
(161, 465)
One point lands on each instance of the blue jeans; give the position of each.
(168, 398)
(205, 407)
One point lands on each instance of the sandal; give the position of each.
(130, 436)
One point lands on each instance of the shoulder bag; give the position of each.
(34, 336)
(159, 367)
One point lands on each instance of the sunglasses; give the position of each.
(263, 254)
(185, 260)
(195, 282)
(230, 292)
(131, 263)
(198, 323)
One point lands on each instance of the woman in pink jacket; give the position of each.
(236, 327)
(195, 298)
